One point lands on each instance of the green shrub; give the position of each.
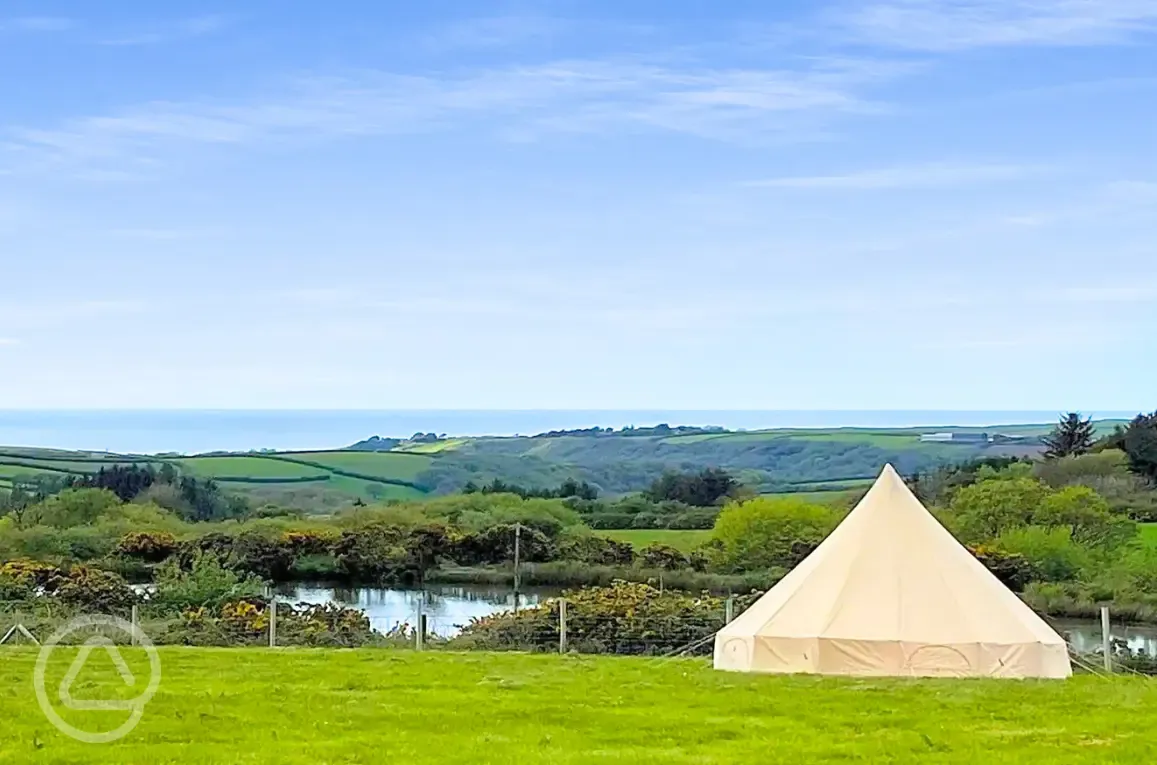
(986, 509)
(769, 532)
(1010, 568)
(496, 545)
(1068, 471)
(1052, 552)
(622, 618)
(94, 590)
(149, 546)
(383, 553)
(596, 550)
(206, 582)
(664, 557)
(74, 507)
(1088, 515)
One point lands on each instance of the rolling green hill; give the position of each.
(811, 461)
(308, 480)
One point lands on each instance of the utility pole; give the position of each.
(517, 556)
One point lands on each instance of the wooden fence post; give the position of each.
(1106, 642)
(135, 620)
(420, 628)
(562, 625)
(729, 609)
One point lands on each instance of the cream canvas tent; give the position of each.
(891, 592)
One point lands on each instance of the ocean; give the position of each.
(197, 431)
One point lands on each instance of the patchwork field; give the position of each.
(314, 480)
(224, 468)
(389, 466)
(307, 707)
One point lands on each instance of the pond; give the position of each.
(1084, 635)
(447, 608)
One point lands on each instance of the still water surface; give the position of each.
(448, 608)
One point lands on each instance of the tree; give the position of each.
(703, 489)
(1088, 516)
(767, 532)
(1072, 437)
(74, 507)
(1140, 443)
(985, 510)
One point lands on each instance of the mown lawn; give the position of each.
(314, 707)
(683, 540)
(1149, 533)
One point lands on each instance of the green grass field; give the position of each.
(1149, 533)
(314, 707)
(683, 540)
(436, 447)
(10, 470)
(247, 467)
(830, 498)
(372, 490)
(399, 466)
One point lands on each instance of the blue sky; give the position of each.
(938, 204)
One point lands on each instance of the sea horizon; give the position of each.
(193, 431)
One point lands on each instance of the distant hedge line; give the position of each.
(44, 468)
(349, 473)
(271, 479)
(120, 460)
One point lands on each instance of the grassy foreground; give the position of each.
(322, 706)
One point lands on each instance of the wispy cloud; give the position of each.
(170, 31)
(37, 24)
(937, 175)
(494, 32)
(946, 25)
(1111, 294)
(589, 96)
(8, 341)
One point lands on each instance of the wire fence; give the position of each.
(554, 625)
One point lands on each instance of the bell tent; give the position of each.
(891, 592)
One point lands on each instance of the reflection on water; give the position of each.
(447, 608)
(1084, 635)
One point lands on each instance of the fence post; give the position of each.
(1106, 643)
(420, 629)
(729, 609)
(562, 625)
(273, 622)
(135, 619)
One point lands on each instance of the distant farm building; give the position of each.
(956, 438)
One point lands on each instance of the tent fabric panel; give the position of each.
(772, 655)
(884, 658)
